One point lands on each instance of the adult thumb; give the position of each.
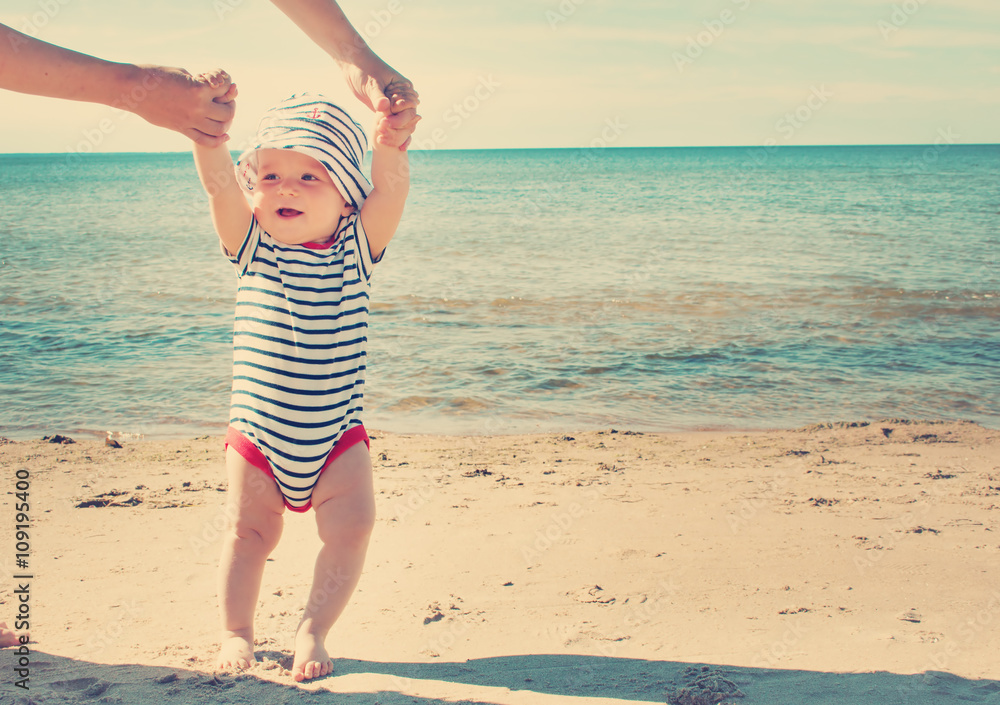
(377, 98)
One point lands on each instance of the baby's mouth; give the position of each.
(288, 212)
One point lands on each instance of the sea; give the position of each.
(661, 289)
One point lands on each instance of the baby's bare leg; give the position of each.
(255, 510)
(344, 501)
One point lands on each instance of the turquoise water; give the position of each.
(653, 289)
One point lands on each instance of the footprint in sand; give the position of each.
(594, 594)
(88, 687)
(110, 499)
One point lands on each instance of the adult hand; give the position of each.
(385, 91)
(381, 88)
(374, 82)
(173, 98)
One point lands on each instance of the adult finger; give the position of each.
(220, 112)
(212, 128)
(402, 120)
(402, 96)
(377, 98)
(205, 140)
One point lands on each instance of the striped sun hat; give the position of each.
(310, 124)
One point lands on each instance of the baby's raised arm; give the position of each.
(382, 210)
(231, 213)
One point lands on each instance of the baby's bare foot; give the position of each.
(10, 637)
(236, 653)
(311, 659)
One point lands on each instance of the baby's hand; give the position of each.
(216, 78)
(388, 135)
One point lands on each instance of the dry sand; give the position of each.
(833, 564)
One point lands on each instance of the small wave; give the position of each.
(897, 294)
(861, 233)
(466, 404)
(686, 356)
(432, 302)
(125, 436)
(511, 302)
(414, 403)
(559, 383)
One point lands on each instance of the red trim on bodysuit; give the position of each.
(251, 453)
(325, 245)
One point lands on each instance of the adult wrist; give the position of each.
(125, 80)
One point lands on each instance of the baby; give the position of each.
(304, 253)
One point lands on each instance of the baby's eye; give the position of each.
(269, 177)
(309, 177)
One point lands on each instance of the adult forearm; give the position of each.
(374, 82)
(29, 65)
(326, 24)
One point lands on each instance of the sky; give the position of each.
(559, 73)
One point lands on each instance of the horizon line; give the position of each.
(540, 149)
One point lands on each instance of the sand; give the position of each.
(843, 563)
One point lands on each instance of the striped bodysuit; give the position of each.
(299, 348)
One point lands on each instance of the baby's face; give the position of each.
(295, 199)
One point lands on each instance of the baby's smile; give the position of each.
(296, 200)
